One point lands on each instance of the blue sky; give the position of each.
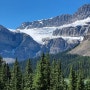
(14, 12)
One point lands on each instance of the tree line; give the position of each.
(46, 76)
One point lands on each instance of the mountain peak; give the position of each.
(83, 12)
(55, 21)
(2, 28)
(84, 8)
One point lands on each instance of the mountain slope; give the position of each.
(71, 28)
(82, 49)
(64, 26)
(52, 35)
(82, 13)
(18, 45)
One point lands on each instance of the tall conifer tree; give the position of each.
(16, 80)
(80, 81)
(87, 86)
(6, 76)
(73, 79)
(57, 80)
(42, 75)
(28, 76)
(1, 63)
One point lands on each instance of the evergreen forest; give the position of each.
(50, 72)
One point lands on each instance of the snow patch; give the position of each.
(9, 60)
(38, 34)
(12, 30)
(76, 23)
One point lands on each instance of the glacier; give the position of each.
(39, 34)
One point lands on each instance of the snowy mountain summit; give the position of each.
(52, 35)
(82, 13)
(66, 31)
(63, 26)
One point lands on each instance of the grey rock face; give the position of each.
(27, 48)
(83, 48)
(72, 31)
(56, 21)
(82, 13)
(22, 46)
(57, 45)
(18, 45)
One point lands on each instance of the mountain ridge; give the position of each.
(53, 35)
(82, 13)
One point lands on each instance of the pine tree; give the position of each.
(80, 82)
(1, 64)
(1, 61)
(37, 80)
(1, 73)
(87, 85)
(1, 86)
(6, 76)
(23, 83)
(47, 72)
(73, 79)
(28, 76)
(16, 80)
(53, 76)
(42, 75)
(57, 80)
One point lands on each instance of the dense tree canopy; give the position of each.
(48, 75)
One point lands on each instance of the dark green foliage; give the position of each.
(6, 76)
(47, 76)
(42, 75)
(1, 83)
(16, 80)
(57, 80)
(28, 81)
(37, 81)
(76, 80)
(1, 63)
(73, 79)
(75, 61)
(80, 82)
(87, 85)
(67, 60)
(6, 72)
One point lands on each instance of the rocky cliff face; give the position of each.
(18, 45)
(22, 46)
(57, 45)
(76, 25)
(73, 31)
(84, 47)
(56, 21)
(82, 13)
(52, 35)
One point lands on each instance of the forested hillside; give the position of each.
(67, 60)
(47, 75)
